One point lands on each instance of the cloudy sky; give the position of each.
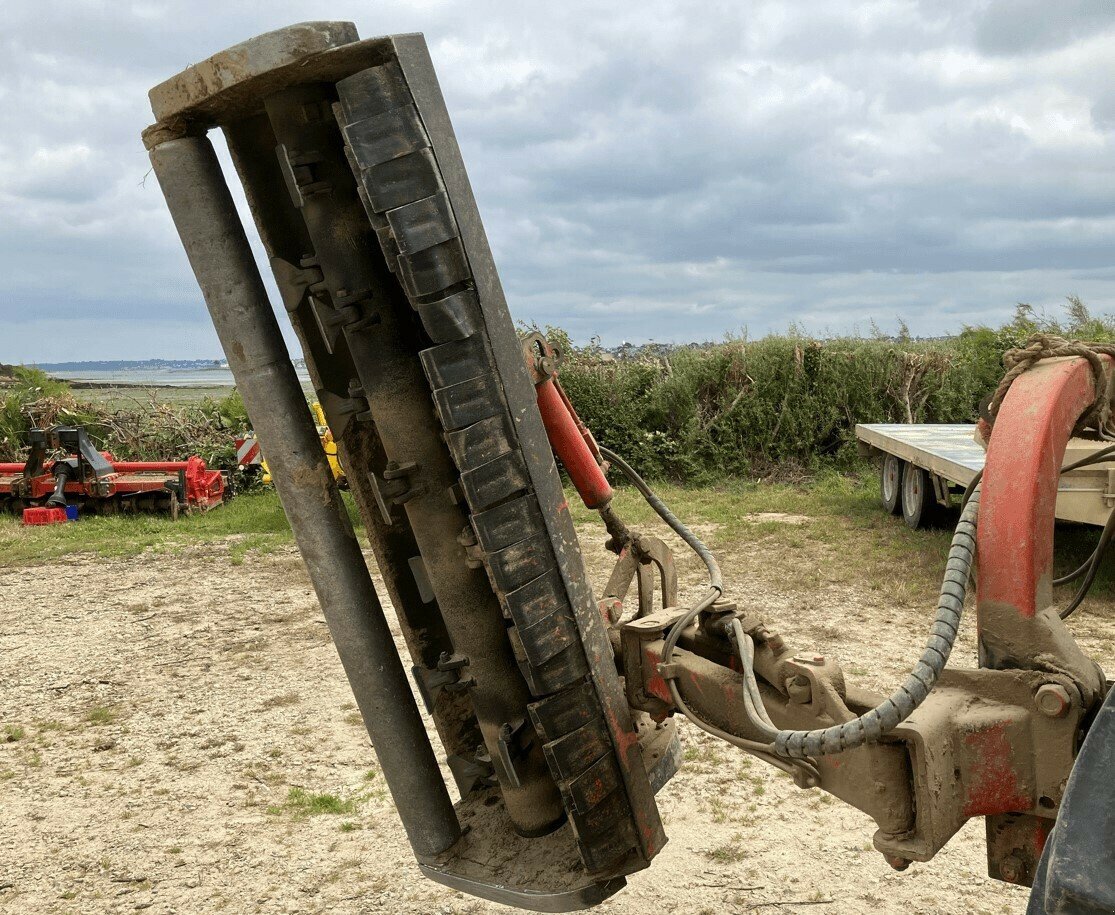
(652, 170)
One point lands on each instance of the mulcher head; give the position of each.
(350, 165)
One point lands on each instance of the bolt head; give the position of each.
(897, 862)
(1053, 700)
(1011, 869)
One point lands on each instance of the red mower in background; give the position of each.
(49, 491)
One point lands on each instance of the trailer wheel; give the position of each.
(890, 483)
(919, 505)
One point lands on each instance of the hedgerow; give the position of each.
(746, 408)
(740, 408)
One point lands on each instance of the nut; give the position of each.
(1053, 700)
(611, 608)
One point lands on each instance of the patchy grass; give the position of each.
(730, 852)
(100, 714)
(281, 701)
(13, 732)
(301, 803)
(255, 520)
(830, 530)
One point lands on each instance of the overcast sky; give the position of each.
(652, 170)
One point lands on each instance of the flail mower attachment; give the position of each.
(445, 423)
(353, 175)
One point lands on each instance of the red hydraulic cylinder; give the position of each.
(569, 443)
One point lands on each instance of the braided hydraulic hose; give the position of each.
(867, 728)
(871, 726)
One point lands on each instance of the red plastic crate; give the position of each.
(44, 516)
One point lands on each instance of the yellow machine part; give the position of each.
(327, 443)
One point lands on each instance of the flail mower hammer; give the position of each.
(555, 711)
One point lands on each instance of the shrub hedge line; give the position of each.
(746, 408)
(741, 408)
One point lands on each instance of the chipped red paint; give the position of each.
(991, 782)
(1024, 457)
(627, 747)
(655, 684)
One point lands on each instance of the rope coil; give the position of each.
(1049, 346)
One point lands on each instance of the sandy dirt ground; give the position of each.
(157, 712)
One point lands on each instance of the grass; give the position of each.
(301, 803)
(729, 852)
(255, 519)
(837, 534)
(100, 714)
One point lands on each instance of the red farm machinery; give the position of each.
(95, 482)
(554, 703)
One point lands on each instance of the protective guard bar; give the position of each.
(356, 184)
(205, 216)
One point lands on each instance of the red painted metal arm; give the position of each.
(1018, 627)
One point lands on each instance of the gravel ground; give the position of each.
(158, 711)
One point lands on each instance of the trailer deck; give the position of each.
(950, 454)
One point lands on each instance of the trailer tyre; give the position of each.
(890, 483)
(919, 504)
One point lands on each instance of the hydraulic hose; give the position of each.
(871, 726)
(716, 581)
(868, 728)
(763, 751)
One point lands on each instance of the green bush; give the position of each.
(788, 402)
(154, 431)
(741, 408)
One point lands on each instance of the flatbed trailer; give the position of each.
(925, 466)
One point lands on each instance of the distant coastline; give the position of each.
(184, 373)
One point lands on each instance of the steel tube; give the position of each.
(148, 466)
(213, 236)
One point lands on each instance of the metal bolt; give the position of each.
(897, 862)
(798, 689)
(1053, 700)
(1011, 869)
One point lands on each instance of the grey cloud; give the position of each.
(1022, 26)
(666, 170)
